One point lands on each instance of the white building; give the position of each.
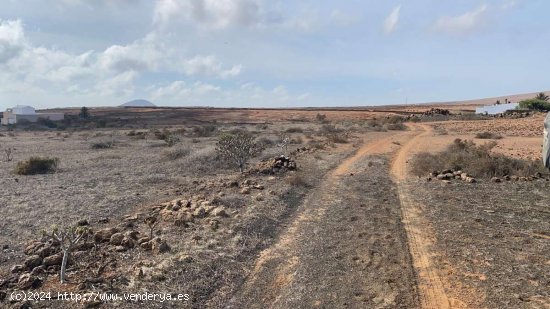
(19, 112)
(496, 109)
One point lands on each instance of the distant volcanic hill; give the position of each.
(138, 103)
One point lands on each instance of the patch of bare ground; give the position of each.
(494, 238)
(525, 127)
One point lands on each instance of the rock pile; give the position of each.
(436, 111)
(513, 115)
(448, 175)
(276, 165)
(537, 176)
(184, 212)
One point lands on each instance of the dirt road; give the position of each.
(430, 286)
(346, 248)
(358, 241)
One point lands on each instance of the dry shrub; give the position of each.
(477, 160)
(333, 134)
(204, 130)
(37, 165)
(102, 145)
(488, 135)
(176, 153)
(316, 144)
(296, 141)
(395, 126)
(297, 180)
(294, 130)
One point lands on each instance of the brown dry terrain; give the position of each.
(350, 228)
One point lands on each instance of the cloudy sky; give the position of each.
(270, 53)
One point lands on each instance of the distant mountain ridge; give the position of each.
(138, 103)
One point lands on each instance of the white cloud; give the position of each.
(392, 20)
(12, 39)
(179, 90)
(209, 66)
(107, 74)
(461, 24)
(147, 54)
(215, 14)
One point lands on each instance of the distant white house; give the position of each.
(19, 112)
(496, 109)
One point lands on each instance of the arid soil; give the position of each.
(345, 249)
(351, 228)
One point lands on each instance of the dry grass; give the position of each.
(488, 135)
(37, 165)
(477, 160)
(176, 153)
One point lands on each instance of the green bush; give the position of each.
(37, 165)
(535, 104)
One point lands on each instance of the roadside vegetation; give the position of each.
(476, 160)
(538, 103)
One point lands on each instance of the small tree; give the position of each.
(84, 113)
(67, 238)
(9, 153)
(152, 223)
(542, 96)
(238, 148)
(535, 104)
(284, 140)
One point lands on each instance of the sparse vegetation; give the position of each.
(396, 127)
(488, 135)
(321, 118)
(297, 180)
(477, 160)
(171, 140)
(535, 104)
(67, 237)
(151, 223)
(542, 96)
(294, 130)
(37, 165)
(284, 140)
(238, 148)
(204, 130)
(102, 144)
(84, 113)
(176, 153)
(334, 134)
(8, 153)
